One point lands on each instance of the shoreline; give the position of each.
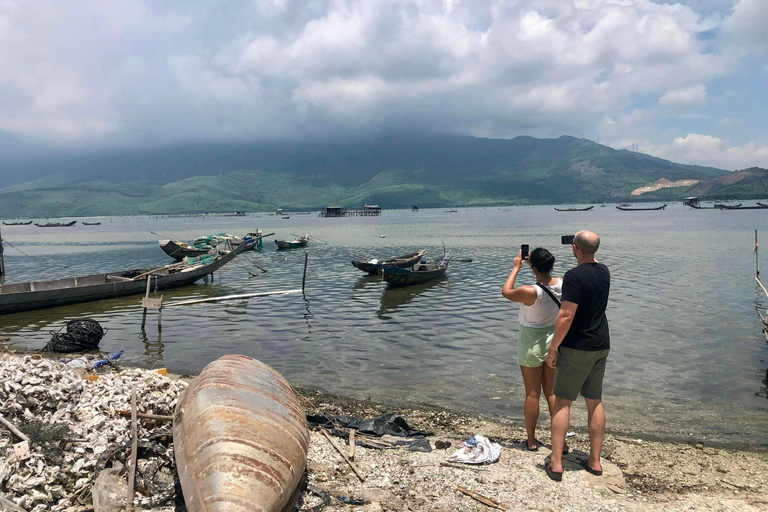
(639, 474)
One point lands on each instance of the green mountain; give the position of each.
(750, 183)
(392, 172)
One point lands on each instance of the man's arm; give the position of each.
(562, 324)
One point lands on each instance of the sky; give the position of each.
(683, 81)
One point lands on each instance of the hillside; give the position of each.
(393, 172)
(746, 184)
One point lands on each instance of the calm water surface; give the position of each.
(688, 359)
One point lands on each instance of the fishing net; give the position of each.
(82, 335)
(199, 260)
(211, 241)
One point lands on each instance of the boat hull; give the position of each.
(285, 244)
(240, 439)
(33, 295)
(397, 276)
(574, 209)
(408, 260)
(178, 251)
(625, 209)
(17, 223)
(56, 224)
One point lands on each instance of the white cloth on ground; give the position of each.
(477, 450)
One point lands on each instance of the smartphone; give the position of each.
(524, 251)
(567, 239)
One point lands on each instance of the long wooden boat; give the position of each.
(74, 290)
(292, 244)
(91, 223)
(625, 209)
(756, 207)
(372, 266)
(240, 439)
(180, 250)
(762, 204)
(574, 209)
(17, 223)
(420, 273)
(56, 224)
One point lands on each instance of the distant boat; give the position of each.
(419, 273)
(56, 224)
(236, 214)
(574, 209)
(18, 223)
(726, 206)
(625, 209)
(286, 217)
(372, 266)
(75, 290)
(414, 208)
(451, 211)
(292, 244)
(91, 223)
(735, 207)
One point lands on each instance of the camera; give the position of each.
(567, 239)
(524, 251)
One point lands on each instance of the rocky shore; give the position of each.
(75, 430)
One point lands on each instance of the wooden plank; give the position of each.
(351, 444)
(134, 450)
(13, 429)
(151, 302)
(482, 499)
(231, 297)
(346, 459)
(143, 416)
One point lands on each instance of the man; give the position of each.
(579, 350)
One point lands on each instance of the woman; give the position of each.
(538, 311)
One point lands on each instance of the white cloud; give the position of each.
(747, 24)
(713, 151)
(690, 97)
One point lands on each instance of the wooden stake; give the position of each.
(346, 459)
(159, 316)
(134, 450)
(761, 286)
(13, 429)
(143, 416)
(2, 261)
(144, 315)
(482, 499)
(757, 260)
(351, 444)
(304, 278)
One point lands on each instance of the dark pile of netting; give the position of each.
(82, 335)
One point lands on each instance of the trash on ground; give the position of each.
(477, 450)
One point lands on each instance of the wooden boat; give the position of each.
(735, 207)
(625, 209)
(74, 290)
(17, 223)
(372, 266)
(286, 217)
(292, 244)
(758, 203)
(419, 273)
(726, 206)
(240, 439)
(574, 209)
(56, 224)
(91, 223)
(180, 250)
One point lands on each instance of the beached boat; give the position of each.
(625, 209)
(56, 224)
(301, 241)
(91, 223)
(372, 266)
(74, 290)
(574, 209)
(419, 273)
(240, 439)
(18, 223)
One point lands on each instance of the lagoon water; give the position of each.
(688, 361)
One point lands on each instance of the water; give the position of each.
(688, 360)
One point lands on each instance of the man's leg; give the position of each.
(560, 419)
(596, 422)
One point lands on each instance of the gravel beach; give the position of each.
(76, 430)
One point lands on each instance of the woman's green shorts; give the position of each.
(533, 345)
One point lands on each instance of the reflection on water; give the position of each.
(686, 342)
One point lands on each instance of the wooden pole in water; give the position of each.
(304, 278)
(2, 261)
(144, 316)
(757, 261)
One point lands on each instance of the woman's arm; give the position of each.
(525, 294)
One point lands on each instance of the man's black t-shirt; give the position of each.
(588, 285)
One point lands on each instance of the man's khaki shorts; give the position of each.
(579, 371)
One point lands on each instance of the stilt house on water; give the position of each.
(370, 210)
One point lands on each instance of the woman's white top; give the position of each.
(544, 311)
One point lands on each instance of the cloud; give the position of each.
(103, 73)
(713, 151)
(747, 24)
(690, 97)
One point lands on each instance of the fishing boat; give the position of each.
(738, 207)
(301, 241)
(91, 223)
(625, 209)
(240, 439)
(204, 245)
(56, 224)
(574, 209)
(18, 223)
(372, 266)
(286, 217)
(74, 290)
(419, 273)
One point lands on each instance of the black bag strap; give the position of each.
(549, 292)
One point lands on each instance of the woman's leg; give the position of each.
(532, 381)
(547, 383)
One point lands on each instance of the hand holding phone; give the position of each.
(524, 251)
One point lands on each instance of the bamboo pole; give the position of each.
(2, 261)
(344, 455)
(230, 297)
(13, 429)
(757, 260)
(134, 450)
(304, 278)
(144, 416)
(144, 315)
(482, 499)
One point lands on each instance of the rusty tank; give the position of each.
(240, 439)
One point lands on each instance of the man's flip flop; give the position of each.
(588, 468)
(554, 475)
